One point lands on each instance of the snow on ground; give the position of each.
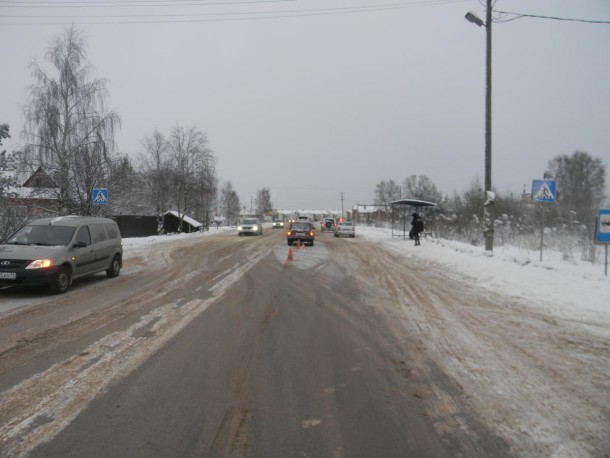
(574, 290)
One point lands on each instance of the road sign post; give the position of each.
(543, 191)
(602, 233)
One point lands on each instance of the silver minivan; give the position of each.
(55, 251)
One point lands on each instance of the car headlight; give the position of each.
(239, 228)
(255, 228)
(40, 264)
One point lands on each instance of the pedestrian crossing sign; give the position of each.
(543, 190)
(100, 196)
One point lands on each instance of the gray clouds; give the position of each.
(317, 105)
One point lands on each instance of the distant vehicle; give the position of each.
(303, 218)
(302, 231)
(346, 229)
(55, 251)
(278, 224)
(250, 226)
(328, 224)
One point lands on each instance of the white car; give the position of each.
(346, 229)
(250, 226)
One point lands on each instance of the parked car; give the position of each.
(346, 229)
(328, 224)
(55, 251)
(302, 231)
(250, 226)
(278, 224)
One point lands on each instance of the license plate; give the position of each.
(8, 275)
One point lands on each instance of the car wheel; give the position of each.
(336, 235)
(289, 243)
(61, 281)
(115, 268)
(311, 243)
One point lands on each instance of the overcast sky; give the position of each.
(312, 102)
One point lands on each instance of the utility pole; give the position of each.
(489, 195)
(489, 200)
(342, 197)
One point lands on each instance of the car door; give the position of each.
(102, 247)
(83, 257)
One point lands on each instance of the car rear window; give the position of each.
(300, 226)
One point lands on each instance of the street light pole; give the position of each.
(489, 195)
(489, 200)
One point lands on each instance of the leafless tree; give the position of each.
(69, 131)
(264, 206)
(581, 182)
(422, 188)
(386, 192)
(229, 203)
(155, 165)
(192, 165)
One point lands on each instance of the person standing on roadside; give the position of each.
(417, 225)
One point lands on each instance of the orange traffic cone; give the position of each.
(290, 255)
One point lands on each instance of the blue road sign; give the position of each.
(603, 226)
(100, 196)
(543, 190)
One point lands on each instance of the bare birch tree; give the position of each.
(68, 129)
(192, 162)
(156, 170)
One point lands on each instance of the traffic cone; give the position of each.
(290, 254)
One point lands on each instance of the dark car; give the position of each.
(328, 224)
(301, 231)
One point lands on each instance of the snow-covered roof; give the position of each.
(413, 203)
(368, 208)
(186, 218)
(25, 192)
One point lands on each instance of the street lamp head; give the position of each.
(471, 17)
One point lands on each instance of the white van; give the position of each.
(55, 251)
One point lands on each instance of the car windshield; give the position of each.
(43, 236)
(346, 224)
(249, 221)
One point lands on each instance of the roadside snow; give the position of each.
(578, 291)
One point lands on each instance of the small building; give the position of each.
(137, 225)
(369, 214)
(31, 196)
(171, 223)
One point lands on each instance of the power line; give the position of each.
(232, 16)
(295, 12)
(132, 4)
(522, 15)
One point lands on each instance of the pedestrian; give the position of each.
(417, 225)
